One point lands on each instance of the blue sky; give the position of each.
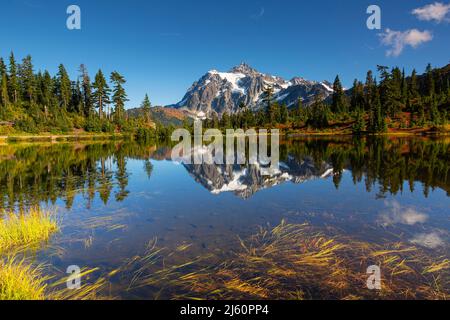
(162, 47)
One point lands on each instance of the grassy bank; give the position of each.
(20, 280)
(26, 230)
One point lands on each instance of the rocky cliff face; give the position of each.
(220, 92)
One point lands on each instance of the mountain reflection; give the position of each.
(34, 173)
(245, 181)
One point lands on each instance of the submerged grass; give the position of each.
(295, 261)
(289, 261)
(88, 291)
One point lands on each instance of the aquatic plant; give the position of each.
(297, 261)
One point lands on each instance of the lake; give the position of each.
(155, 229)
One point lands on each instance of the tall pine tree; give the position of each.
(145, 106)
(64, 87)
(88, 108)
(101, 92)
(339, 103)
(14, 87)
(119, 96)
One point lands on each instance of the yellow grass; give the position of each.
(23, 230)
(21, 281)
(295, 261)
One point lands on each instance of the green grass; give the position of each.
(20, 280)
(24, 230)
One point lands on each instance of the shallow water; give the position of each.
(116, 197)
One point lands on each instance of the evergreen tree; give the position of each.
(404, 88)
(119, 96)
(145, 106)
(388, 92)
(267, 98)
(377, 121)
(46, 93)
(101, 93)
(414, 87)
(225, 121)
(274, 113)
(319, 114)
(27, 79)
(369, 91)
(4, 98)
(284, 115)
(339, 103)
(63, 87)
(448, 90)
(435, 116)
(360, 124)
(413, 98)
(4, 92)
(88, 108)
(242, 115)
(215, 121)
(299, 109)
(14, 87)
(249, 117)
(76, 103)
(2, 67)
(430, 85)
(357, 97)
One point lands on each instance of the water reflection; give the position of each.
(31, 174)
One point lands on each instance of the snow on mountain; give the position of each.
(245, 181)
(220, 92)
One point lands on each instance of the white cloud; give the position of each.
(428, 240)
(398, 40)
(433, 12)
(398, 214)
(259, 15)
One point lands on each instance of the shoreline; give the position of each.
(57, 137)
(54, 138)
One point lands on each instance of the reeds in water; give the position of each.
(295, 261)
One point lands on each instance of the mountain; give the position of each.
(245, 181)
(220, 92)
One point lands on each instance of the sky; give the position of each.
(162, 47)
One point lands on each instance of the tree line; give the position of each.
(395, 100)
(39, 102)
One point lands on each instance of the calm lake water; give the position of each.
(117, 199)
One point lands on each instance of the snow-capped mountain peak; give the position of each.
(219, 92)
(244, 68)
